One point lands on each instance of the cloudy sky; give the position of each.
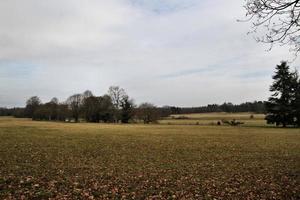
(168, 52)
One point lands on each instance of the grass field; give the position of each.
(222, 115)
(213, 118)
(42, 160)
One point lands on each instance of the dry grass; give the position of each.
(222, 115)
(42, 160)
(213, 118)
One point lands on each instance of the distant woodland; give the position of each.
(111, 111)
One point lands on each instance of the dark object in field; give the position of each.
(180, 117)
(233, 122)
(219, 123)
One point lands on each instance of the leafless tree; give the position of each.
(148, 113)
(54, 100)
(116, 94)
(278, 20)
(87, 94)
(32, 105)
(75, 102)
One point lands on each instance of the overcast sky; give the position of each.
(168, 52)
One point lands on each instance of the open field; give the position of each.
(42, 160)
(222, 115)
(213, 118)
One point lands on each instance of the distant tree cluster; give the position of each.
(255, 107)
(148, 113)
(283, 107)
(113, 107)
(16, 112)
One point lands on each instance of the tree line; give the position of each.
(255, 107)
(113, 107)
(109, 108)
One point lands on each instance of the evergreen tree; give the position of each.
(279, 107)
(127, 109)
(296, 99)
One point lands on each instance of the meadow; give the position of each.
(249, 119)
(51, 160)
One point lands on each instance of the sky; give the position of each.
(167, 52)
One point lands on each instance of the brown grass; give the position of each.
(48, 160)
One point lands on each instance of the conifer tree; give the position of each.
(127, 108)
(296, 99)
(280, 104)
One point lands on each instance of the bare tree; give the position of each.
(148, 113)
(279, 20)
(87, 94)
(52, 108)
(75, 102)
(116, 94)
(54, 100)
(32, 105)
